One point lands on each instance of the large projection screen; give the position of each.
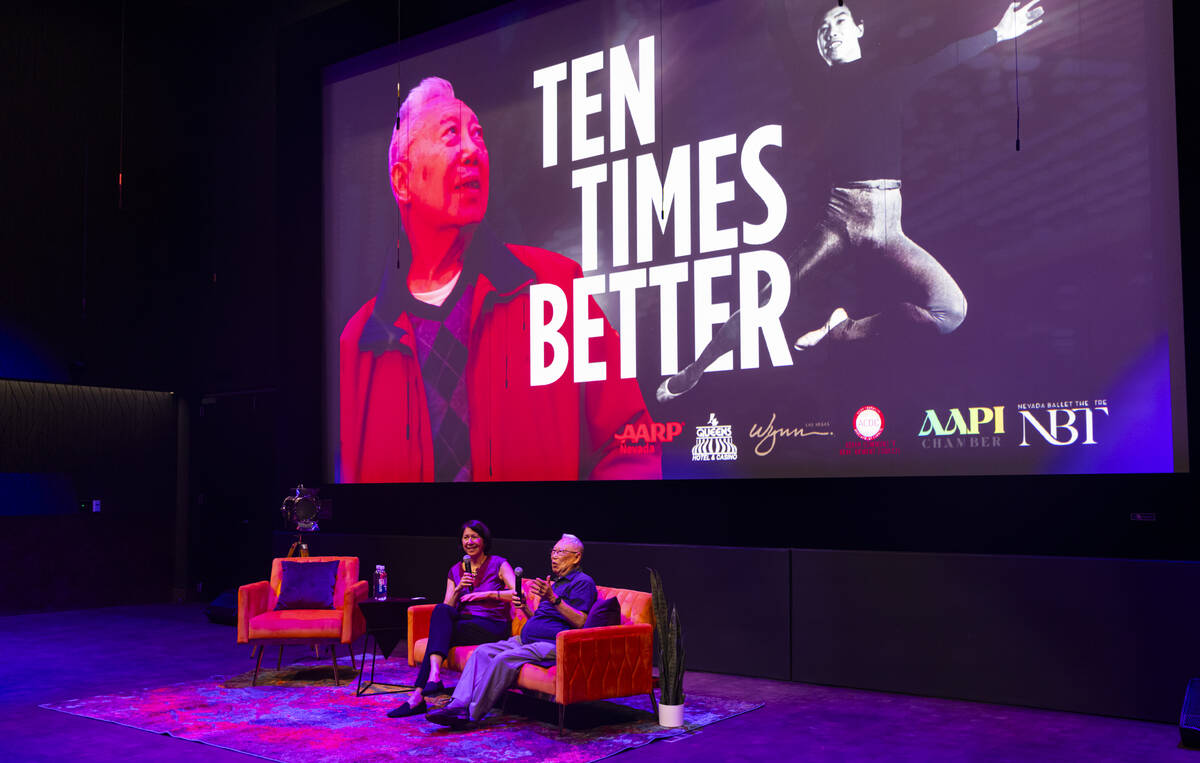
(944, 252)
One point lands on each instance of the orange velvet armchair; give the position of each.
(591, 663)
(260, 624)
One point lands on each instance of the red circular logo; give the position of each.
(868, 422)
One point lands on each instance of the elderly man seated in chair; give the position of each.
(565, 599)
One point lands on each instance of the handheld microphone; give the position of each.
(466, 568)
(519, 573)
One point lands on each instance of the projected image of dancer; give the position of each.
(863, 148)
(435, 369)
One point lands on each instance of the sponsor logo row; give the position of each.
(1057, 423)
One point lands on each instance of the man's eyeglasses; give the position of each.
(561, 551)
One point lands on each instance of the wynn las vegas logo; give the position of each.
(714, 442)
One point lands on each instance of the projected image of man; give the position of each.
(435, 369)
(862, 146)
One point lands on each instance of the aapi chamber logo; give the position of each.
(978, 427)
(868, 423)
(714, 442)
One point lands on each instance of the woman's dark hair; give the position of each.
(480, 529)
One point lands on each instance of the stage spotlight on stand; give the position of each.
(302, 510)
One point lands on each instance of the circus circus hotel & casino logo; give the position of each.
(714, 442)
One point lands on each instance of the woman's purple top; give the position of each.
(486, 579)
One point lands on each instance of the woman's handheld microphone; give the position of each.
(466, 569)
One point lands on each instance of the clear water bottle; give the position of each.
(380, 583)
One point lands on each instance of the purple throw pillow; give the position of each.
(604, 612)
(307, 585)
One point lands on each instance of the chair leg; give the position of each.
(316, 651)
(254, 650)
(333, 655)
(350, 647)
(279, 662)
(257, 664)
(562, 716)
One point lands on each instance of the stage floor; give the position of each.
(55, 656)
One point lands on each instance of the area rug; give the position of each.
(297, 716)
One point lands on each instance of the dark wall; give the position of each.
(113, 444)
(232, 504)
(1073, 515)
(117, 446)
(100, 278)
(1105, 636)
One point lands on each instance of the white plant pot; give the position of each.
(670, 716)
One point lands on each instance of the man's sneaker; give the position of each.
(455, 717)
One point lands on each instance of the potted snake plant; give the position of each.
(670, 655)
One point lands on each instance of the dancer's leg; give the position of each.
(939, 307)
(929, 301)
(823, 244)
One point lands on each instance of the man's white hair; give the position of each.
(574, 539)
(418, 99)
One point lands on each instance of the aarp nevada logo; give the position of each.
(658, 431)
(645, 438)
(714, 442)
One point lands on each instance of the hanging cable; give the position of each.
(121, 124)
(1017, 79)
(83, 274)
(662, 122)
(399, 102)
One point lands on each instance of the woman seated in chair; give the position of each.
(475, 610)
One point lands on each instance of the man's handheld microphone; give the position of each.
(466, 569)
(519, 573)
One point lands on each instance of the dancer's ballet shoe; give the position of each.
(814, 337)
(663, 394)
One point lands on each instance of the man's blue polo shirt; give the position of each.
(576, 588)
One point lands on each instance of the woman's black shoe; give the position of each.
(406, 710)
(432, 688)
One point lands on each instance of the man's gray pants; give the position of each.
(493, 668)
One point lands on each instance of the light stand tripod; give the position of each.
(299, 548)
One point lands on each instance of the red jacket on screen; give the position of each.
(561, 431)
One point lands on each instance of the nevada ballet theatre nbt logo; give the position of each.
(714, 442)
